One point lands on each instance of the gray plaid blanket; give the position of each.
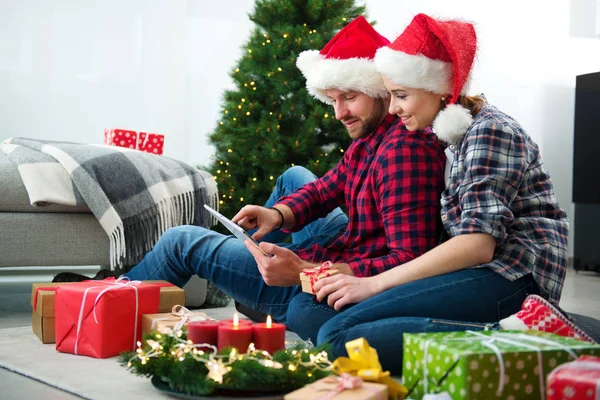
(135, 196)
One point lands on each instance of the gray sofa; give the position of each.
(55, 235)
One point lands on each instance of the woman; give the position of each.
(506, 236)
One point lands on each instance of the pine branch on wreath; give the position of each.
(198, 369)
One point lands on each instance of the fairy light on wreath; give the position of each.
(168, 346)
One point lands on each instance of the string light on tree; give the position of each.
(280, 91)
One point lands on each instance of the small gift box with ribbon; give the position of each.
(177, 319)
(344, 387)
(144, 141)
(579, 379)
(486, 364)
(102, 318)
(308, 277)
(43, 296)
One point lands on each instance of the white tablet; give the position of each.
(237, 230)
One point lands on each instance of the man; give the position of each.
(389, 180)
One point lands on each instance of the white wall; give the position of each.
(70, 68)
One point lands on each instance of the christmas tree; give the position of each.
(270, 123)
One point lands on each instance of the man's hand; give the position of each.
(250, 217)
(342, 290)
(282, 269)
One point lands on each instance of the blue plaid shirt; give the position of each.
(498, 185)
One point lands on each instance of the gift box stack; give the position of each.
(43, 317)
(144, 141)
(102, 319)
(486, 365)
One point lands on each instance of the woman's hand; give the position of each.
(344, 289)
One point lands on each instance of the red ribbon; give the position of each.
(313, 274)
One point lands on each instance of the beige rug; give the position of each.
(22, 353)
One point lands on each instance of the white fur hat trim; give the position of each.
(353, 74)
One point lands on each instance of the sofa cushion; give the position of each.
(29, 239)
(15, 199)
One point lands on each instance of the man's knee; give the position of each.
(177, 235)
(297, 174)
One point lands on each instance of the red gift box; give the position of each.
(102, 318)
(121, 138)
(144, 141)
(150, 142)
(576, 380)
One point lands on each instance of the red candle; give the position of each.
(235, 335)
(203, 332)
(269, 336)
(240, 321)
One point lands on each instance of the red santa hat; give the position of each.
(436, 56)
(345, 63)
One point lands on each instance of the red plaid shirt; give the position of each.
(390, 182)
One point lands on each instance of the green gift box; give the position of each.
(486, 365)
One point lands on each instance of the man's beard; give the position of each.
(372, 121)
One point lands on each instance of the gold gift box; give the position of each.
(323, 388)
(314, 272)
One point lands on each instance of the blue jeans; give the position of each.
(437, 304)
(225, 261)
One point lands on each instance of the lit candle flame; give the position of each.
(269, 322)
(236, 320)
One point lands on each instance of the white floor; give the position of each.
(581, 293)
